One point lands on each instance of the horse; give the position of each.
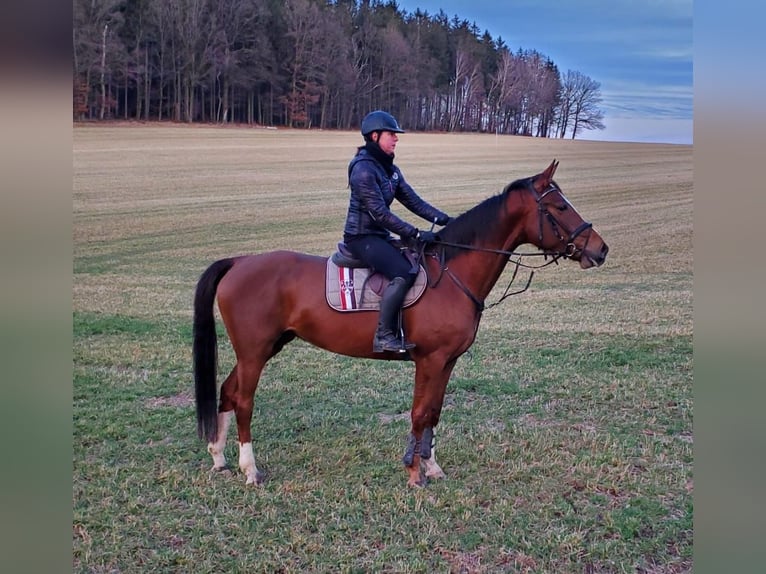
(266, 300)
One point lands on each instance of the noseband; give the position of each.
(570, 249)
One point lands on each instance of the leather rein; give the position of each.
(570, 249)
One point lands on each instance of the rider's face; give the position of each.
(387, 142)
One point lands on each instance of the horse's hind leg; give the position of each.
(225, 414)
(237, 394)
(248, 375)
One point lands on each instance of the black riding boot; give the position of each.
(386, 337)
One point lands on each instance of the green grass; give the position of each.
(566, 433)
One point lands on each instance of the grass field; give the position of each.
(567, 430)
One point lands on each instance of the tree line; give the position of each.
(316, 64)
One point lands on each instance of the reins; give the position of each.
(509, 254)
(480, 306)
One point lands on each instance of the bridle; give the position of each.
(570, 249)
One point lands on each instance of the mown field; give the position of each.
(567, 430)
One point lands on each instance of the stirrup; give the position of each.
(390, 342)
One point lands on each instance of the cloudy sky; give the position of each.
(640, 51)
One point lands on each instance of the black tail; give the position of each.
(205, 349)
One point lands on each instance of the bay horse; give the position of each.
(266, 300)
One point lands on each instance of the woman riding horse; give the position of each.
(268, 299)
(375, 182)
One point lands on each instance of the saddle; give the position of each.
(352, 286)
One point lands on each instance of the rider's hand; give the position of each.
(427, 236)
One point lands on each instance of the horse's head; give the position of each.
(557, 228)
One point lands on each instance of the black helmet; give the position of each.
(380, 121)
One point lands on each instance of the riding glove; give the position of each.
(427, 236)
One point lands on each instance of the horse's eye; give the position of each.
(562, 207)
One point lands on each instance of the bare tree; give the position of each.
(365, 41)
(579, 110)
(398, 71)
(160, 16)
(424, 37)
(305, 37)
(138, 33)
(234, 25)
(506, 90)
(466, 88)
(191, 42)
(337, 98)
(542, 88)
(94, 51)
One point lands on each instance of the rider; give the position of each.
(375, 182)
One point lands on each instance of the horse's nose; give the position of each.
(602, 254)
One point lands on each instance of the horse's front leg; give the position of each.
(419, 459)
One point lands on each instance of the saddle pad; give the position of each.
(344, 288)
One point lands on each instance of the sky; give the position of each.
(639, 51)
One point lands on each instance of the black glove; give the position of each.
(427, 236)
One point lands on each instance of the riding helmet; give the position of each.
(380, 121)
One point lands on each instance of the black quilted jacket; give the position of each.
(373, 191)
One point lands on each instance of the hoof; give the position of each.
(418, 478)
(437, 474)
(258, 480)
(221, 469)
(420, 483)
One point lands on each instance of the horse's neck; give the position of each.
(480, 270)
(482, 273)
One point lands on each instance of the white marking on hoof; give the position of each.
(247, 464)
(433, 470)
(216, 448)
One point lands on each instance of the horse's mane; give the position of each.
(478, 222)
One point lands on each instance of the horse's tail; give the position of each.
(205, 349)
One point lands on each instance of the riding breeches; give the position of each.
(378, 253)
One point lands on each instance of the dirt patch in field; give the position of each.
(387, 419)
(180, 400)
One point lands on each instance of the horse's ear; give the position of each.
(543, 180)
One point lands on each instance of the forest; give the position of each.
(316, 64)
